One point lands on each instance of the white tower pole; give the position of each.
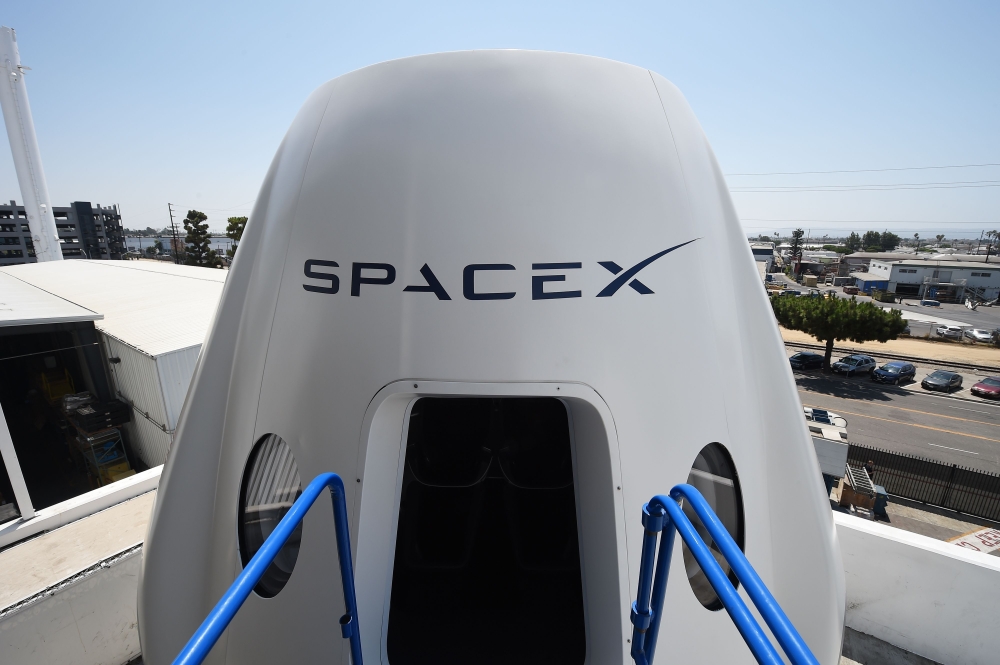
(24, 148)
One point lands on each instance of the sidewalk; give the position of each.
(943, 352)
(931, 521)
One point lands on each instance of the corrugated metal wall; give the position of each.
(176, 370)
(150, 443)
(137, 380)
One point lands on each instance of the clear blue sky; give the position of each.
(141, 103)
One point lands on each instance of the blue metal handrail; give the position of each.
(665, 514)
(201, 643)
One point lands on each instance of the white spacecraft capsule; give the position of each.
(504, 295)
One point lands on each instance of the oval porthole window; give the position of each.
(270, 486)
(714, 475)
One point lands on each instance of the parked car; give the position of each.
(894, 372)
(856, 364)
(951, 332)
(806, 360)
(930, 303)
(942, 380)
(988, 387)
(851, 290)
(979, 335)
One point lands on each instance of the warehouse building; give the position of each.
(85, 232)
(96, 358)
(945, 281)
(763, 252)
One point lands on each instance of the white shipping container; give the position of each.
(155, 387)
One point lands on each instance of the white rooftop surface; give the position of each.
(22, 304)
(950, 262)
(139, 300)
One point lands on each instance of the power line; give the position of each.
(905, 168)
(973, 184)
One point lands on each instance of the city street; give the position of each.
(949, 430)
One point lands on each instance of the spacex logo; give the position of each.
(323, 280)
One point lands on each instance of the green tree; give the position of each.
(796, 242)
(916, 239)
(234, 231)
(871, 241)
(836, 319)
(888, 241)
(853, 242)
(940, 237)
(198, 250)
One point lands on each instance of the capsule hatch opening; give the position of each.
(487, 563)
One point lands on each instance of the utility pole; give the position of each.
(173, 231)
(24, 149)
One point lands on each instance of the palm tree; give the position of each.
(991, 236)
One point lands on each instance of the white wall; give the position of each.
(89, 620)
(175, 370)
(879, 268)
(926, 596)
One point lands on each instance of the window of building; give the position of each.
(980, 274)
(487, 540)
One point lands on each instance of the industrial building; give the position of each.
(945, 281)
(85, 232)
(68, 340)
(859, 261)
(763, 252)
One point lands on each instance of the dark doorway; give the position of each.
(487, 566)
(40, 366)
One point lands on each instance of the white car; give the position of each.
(979, 335)
(949, 331)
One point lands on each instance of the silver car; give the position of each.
(979, 335)
(855, 364)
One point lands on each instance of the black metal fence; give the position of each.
(947, 485)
